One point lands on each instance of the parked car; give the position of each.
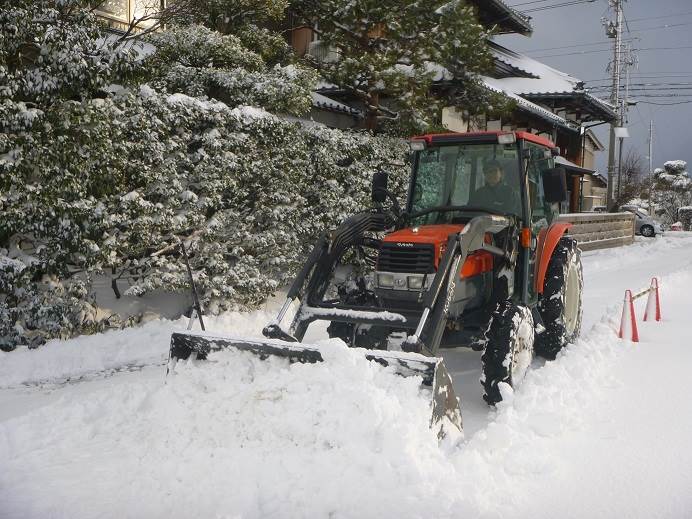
(643, 223)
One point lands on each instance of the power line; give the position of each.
(663, 84)
(665, 26)
(608, 50)
(555, 6)
(532, 2)
(645, 75)
(663, 104)
(647, 18)
(579, 45)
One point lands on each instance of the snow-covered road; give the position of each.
(603, 431)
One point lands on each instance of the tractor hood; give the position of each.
(434, 234)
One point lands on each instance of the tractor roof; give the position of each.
(457, 137)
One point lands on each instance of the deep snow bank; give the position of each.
(603, 431)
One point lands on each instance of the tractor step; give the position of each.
(433, 373)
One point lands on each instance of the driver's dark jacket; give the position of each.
(500, 197)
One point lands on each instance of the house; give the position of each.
(118, 14)
(549, 102)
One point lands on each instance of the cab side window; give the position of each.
(541, 212)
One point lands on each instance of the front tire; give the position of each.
(508, 349)
(560, 305)
(647, 231)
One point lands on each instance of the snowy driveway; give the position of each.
(603, 431)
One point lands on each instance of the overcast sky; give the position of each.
(579, 26)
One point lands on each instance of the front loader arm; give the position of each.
(318, 270)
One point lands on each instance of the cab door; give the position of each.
(540, 213)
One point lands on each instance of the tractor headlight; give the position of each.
(415, 282)
(385, 280)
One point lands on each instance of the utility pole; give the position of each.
(614, 30)
(628, 62)
(651, 168)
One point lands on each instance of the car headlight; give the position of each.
(385, 280)
(415, 282)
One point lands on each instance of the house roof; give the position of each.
(546, 84)
(441, 74)
(326, 103)
(532, 108)
(507, 20)
(572, 167)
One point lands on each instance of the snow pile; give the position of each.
(587, 435)
(236, 436)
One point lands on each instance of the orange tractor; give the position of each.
(476, 259)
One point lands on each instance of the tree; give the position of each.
(632, 184)
(672, 189)
(391, 54)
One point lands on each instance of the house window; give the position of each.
(126, 10)
(115, 8)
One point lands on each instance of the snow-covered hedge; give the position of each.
(132, 171)
(108, 157)
(672, 189)
(685, 217)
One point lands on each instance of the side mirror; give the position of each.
(379, 187)
(555, 185)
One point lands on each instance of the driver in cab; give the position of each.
(495, 193)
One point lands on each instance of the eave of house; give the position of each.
(506, 20)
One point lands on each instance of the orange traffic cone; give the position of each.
(653, 303)
(628, 323)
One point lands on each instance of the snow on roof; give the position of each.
(495, 85)
(548, 79)
(571, 165)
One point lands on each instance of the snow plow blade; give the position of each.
(432, 370)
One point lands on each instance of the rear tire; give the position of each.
(560, 305)
(647, 231)
(508, 349)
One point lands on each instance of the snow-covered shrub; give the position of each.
(32, 311)
(685, 217)
(252, 189)
(137, 168)
(55, 50)
(100, 175)
(672, 189)
(199, 62)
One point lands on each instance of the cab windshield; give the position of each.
(452, 182)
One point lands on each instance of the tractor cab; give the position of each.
(458, 176)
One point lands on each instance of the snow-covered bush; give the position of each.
(53, 50)
(672, 189)
(98, 174)
(252, 190)
(685, 217)
(199, 62)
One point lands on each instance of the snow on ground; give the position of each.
(91, 427)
